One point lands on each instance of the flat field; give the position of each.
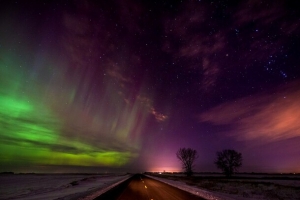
(54, 186)
(242, 186)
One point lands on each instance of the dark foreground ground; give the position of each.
(242, 186)
(143, 188)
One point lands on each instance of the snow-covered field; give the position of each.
(88, 187)
(56, 186)
(251, 187)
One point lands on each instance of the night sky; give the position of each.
(105, 86)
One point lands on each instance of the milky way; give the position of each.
(122, 85)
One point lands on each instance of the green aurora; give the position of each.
(31, 131)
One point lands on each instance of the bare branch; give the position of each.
(229, 161)
(187, 156)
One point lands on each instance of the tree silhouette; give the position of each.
(187, 156)
(228, 161)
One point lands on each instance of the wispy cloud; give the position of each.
(114, 72)
(263, 12)
(160, 117)
(269, 118)
(213, 49)
(197, 43)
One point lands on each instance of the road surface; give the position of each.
(140, 187)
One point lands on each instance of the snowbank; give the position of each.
(243, 188)
(196, 191)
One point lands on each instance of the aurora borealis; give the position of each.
(94, 86)
(37, 131)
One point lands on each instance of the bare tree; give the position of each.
(187, 156)
(229, 161)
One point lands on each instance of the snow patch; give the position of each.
(103, 190)
(196, 191)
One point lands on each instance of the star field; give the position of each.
(121, 85)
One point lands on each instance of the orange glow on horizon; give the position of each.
(164, 169)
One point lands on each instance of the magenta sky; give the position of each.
(122, 85)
